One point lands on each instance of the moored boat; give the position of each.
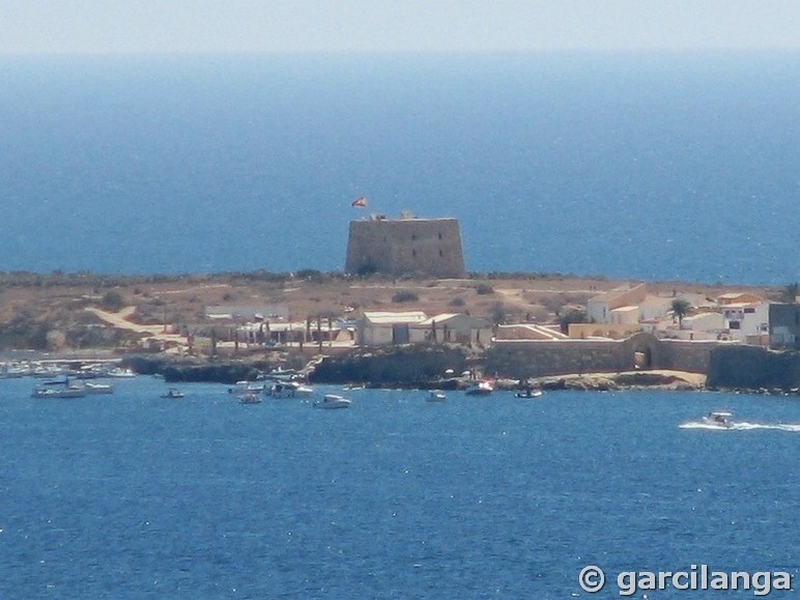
(250, 397)
(436, 396)
(332, 401)
(119, 372)
(480, 388)
(92, 387)
(529, 393)
(59, 389)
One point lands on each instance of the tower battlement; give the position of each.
(404, 246)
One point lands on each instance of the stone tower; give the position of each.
(404, 246)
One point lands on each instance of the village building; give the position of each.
(415, 327)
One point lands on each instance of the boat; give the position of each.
(244, 387)
(120, 372)
(301, 390)
(480, 388)
(332, 401)
(718, 418)
(93, 387)
(529, 393)
(290, 389)
(436, 396)
(59, 389)
(172, 393)
(250, 397)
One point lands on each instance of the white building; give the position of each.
(375, 328)
(746, 319)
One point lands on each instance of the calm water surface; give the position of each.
(665, 166)
(135, 496)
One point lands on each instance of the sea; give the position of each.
(649, 166)
(132, 495)
(658, 166)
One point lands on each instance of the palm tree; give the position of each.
(680, 308)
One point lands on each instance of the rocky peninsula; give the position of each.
(150, 322)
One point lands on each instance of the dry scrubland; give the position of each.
(48, 311)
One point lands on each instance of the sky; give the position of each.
(277, 26)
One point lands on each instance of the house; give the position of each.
(375, 328)
(746, 319)
(738, 298)
(598, 308)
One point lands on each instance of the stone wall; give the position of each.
(519, 359)
(399, 247)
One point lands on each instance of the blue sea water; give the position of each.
(135, 496)
(648, 166)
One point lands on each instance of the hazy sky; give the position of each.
(102, 26)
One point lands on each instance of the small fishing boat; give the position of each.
(529, 393)
(436, 396)
(172, 393)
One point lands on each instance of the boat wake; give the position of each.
(742, 426)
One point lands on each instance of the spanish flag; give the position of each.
(359, 202)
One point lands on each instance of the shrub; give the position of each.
(404, 296)
(457, 301)
(113, 301)
(484, 289)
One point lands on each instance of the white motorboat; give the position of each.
(120, 372)
(59, 389)
(92, 387)
(718, 418)
(529, 393)
(436, 396)
(480, 388)
(172, 393)
(332, 401)
(302, 390)
(245, 387)
(290, 389)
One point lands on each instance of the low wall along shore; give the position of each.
(524, 359)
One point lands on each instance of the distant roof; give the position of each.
(734, 295)
(414, 316)
(263, 311)
(629, 308)
(445, 317)
(615, 293)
